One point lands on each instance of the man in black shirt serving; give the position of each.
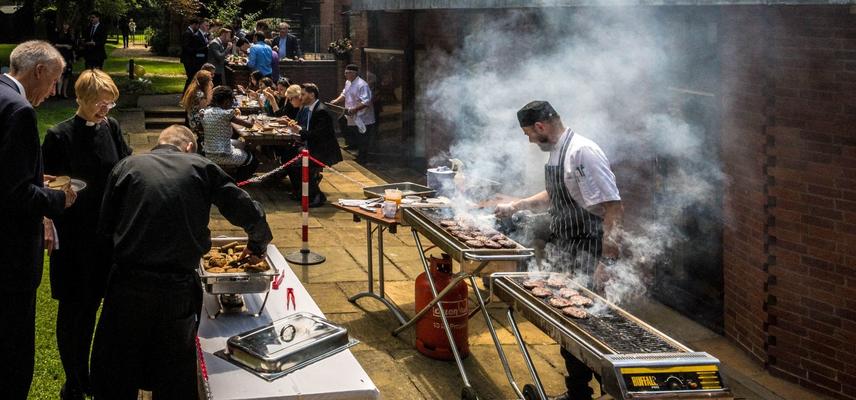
(156, 208)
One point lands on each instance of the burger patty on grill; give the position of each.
(559, 302)
(568, 292)
(533, 283)
(580, 300)
(575, 312)
(542, 292)
(492, 245)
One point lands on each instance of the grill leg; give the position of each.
(446, 326)
(529, 364)
(437, 297)
(496, 342)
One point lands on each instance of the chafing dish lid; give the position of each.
(287, 336)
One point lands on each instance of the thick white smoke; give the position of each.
(607, 72)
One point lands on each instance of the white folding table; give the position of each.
(339, 376)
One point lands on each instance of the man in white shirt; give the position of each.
(357, 97)
(584, 207)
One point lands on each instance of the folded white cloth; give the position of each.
(352, 202)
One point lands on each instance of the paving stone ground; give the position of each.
(398, 370)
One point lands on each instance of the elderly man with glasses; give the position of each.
(35, 68)
(85, 146)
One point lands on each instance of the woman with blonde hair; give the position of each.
(195, 98)
(86, 147)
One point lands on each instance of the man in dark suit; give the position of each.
(286, 44)
(95, 39)
(316, 131)
(193, 50)
(35, 67)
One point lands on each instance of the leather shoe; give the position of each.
(67, 393)
(319, 200)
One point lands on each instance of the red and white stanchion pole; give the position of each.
(304, 256)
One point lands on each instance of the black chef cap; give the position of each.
(536, 111)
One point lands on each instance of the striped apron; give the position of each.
(576, 235)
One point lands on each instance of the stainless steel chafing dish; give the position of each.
(283, 346)
(406, 188)
(236, 283)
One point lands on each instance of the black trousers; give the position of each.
(17, 342)
(365, 142)
(579, 376)
(218, 79)
(190, 69)
(146, 337)
(295, 176)
(75, 325)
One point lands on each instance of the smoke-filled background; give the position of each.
(610, 73)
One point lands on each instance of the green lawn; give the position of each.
(48, 376)
(53, 112)
(167, 75)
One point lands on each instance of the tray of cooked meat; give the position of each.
(226, 270)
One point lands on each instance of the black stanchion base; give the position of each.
(305, 258)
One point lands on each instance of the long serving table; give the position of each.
(388, 224)
(337, 377)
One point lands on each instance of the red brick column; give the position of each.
(745, 98)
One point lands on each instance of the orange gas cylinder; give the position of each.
(431, 339)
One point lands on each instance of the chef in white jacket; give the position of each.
(357, 97)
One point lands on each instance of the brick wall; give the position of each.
(789, 134)
(812, 164)
(744, 117)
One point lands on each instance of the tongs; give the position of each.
(370, 205)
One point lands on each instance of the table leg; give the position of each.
(396, 312)
(369, 253)
(380, 260)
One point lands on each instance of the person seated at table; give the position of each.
(195, 98)
(316, 130)
(208, 67)
(280, 102)
(252, 88)
(219, 146)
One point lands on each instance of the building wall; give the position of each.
(789, 138)
(744, 118)
(812, 166)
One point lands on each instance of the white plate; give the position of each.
(77, 185)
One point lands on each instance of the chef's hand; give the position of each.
(70, 196)
(249, 253)
(49, 235)
(503, 210)
(610, 249)
(49, 178)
